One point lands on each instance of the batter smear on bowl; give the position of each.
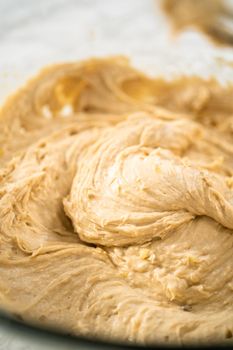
(116, 204)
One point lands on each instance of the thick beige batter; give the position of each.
(116, 204)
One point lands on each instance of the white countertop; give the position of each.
(37, 33)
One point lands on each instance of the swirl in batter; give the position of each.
(116, 204)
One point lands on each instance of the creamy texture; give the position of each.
(116, 204)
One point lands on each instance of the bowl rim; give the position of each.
(14, 322)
